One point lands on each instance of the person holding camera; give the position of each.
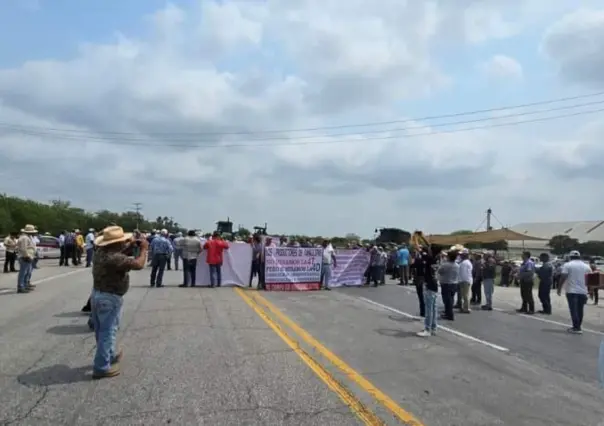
(110, 272)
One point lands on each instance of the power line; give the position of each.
(311, 129)
(324, 142)
(281, 138)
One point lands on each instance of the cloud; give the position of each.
(502, 67)
(200, 118)
(575, 44)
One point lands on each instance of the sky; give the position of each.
(316, 117)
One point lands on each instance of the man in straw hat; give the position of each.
(110, 269)
(26, 253)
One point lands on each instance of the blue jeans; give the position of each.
(215, 275)
(106, 311)
(25, 270)
(177, 255)
(488, 284)
(158, 266)
(189, 271)
(576, 303)
(430, 304)
(89, 253)
(326, 275)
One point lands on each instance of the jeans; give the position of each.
(106, 311)
(419, 288)
(326, 275)
(545, 289)
(255, 271)
(477, 291)
(9, 261)
(576, 303)
(526, 293)
(489, 288)
(404, 271)
(382, 274)
(24, 276)
(177, 255)
(189, 271)
(89, 253)
(215, 275)
(158, 266)
(447, 291)
(430, 304)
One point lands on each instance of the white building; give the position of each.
(582, 231)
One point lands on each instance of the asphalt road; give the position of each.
(232, 357)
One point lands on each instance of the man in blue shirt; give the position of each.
(403, 264)
(161, 250)
(526, 275)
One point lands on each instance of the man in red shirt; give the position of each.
(214, 247)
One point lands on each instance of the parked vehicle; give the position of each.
(48, 248)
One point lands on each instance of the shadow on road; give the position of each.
(75, 314)
(396, 333)
(69, 330)
(55, 375)
(401, 318)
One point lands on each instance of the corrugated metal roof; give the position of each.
(592, 230)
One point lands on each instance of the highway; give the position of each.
(236, 357)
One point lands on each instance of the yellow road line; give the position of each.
(362, 382)
(364, 413)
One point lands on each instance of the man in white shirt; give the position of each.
(329, 262)
(465, 280)
(573, 280)
(89, 244)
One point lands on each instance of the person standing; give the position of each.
(70, 248)
(177, 245)
(526, 276)
(465, 280)
(161, 250)
(329, 263)
(215, 248)
(420, 266)
(111, 281)
(477, 269)
(574, 281)
(448, 275)
(26, 253)
(256, 244)
(403, 264)
(546, 280)
(89, 245)
(191, 249)
(79, 247)
(489, 271)
(10, 245)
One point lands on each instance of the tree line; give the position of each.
(562, 244)
(59, 215)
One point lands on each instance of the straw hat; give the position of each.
(29, 229)
(112, 235)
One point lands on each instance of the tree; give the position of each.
(60, 215)
(562, 244)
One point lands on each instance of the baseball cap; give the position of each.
(574, 253)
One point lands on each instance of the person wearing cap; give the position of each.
(526, 275)
(111, 281)
(26, 253)
(466, 278)
(574, 281)
(161, 250)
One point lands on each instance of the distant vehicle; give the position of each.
(48, 248)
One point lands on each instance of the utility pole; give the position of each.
(489, 213)
(137, 208)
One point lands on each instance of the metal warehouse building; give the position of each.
(582, 231)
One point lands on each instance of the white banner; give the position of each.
(350, 268)
(236, 266)
(293, 268)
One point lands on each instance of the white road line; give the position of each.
(447, 329)
(45, 279)
(536, 318)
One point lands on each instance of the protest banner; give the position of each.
(236, 267)
(293, 268)
(350, 268)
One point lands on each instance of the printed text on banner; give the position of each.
(293, 268)
(350, 268)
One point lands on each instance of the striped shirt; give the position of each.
(70, 239)
(161, 245)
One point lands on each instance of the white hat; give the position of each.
(29, 229)
(164, 231)
(112, 235)
(574, 253)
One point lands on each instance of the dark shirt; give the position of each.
(110, 271)
(546, 273)
(489, 270)
(424, 266)
(70, 239)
